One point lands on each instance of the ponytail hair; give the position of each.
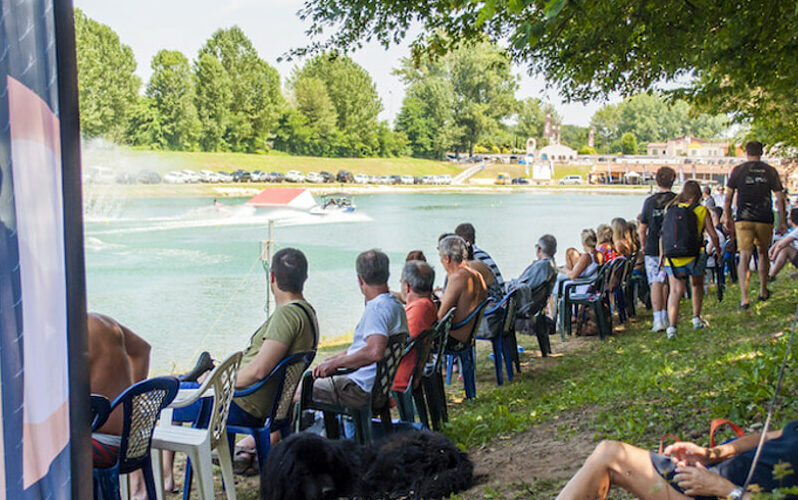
(691, 193)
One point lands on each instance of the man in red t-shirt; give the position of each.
(417, 281)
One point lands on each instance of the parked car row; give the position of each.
(105, 175)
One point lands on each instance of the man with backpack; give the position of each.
(649, 232)
(682, 251)
(753, 181)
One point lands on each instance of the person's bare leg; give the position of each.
(138, 489)
(781, 259)
(657, 302)
(167, 466)
(764, 267)
(697, 283)
(674, 297)
(744, 275)
(613, 463)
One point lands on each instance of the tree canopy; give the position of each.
(459, 99)
(651, 119)
(107, 85)
(726, 56)
(171, 89)
(255, 97)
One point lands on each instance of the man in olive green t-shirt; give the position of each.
(292, 328)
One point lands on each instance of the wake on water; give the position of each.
(220, 215)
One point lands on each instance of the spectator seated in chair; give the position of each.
(465, 288)
(291, 328)
(383, 316)
(417, 281)
(118, 358)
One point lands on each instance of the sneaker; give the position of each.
(671, 332)
(204, 364)
(659, 325)
(699, 323)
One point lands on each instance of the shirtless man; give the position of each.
(118, 358)
(465, 287)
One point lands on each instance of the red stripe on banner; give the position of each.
(32, 118)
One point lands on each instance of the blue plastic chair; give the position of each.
(465, 354)
(141, 404)
(287, 373)
(100, 409)
(503, 340)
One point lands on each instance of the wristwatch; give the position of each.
(736, 494)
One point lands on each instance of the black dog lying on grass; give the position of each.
(415, 464)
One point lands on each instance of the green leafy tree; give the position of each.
(482, 88)
(144, 125)
(652, 119)
(484, 91)
(530, 117)
(574, 136)
(213, 101)
(628, 144)
(171, 88)
(606, 122)
(255, 97)
(107, 86)
(592, 49)
(313, 101)
(427, 114)
(354, 96)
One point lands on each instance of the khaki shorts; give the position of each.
(339, 390)
(753, 234)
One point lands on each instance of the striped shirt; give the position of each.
(482, 256)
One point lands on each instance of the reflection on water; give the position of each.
(187, 276)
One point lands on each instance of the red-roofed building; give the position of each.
(299, 198)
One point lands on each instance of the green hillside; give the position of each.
(164, 161)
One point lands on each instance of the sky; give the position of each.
(148, 26)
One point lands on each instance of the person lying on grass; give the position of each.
(687, 470)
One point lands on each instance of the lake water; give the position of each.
(188, 277)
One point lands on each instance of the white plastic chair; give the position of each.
(198, 443)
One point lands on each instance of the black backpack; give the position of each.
(680, 236)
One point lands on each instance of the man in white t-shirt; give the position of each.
(785, 250)
(384, 316)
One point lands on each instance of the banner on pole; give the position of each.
(34, 377)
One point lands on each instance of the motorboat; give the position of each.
(334, 203)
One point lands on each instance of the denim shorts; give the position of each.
(696, 267)
(667, 469)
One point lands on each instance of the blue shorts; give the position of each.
(192, 412)
(667, 469)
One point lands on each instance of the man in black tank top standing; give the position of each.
(753, 181)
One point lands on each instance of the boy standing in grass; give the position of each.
(649, 232)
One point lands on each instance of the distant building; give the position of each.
(557, 152)
(551, 129)
(688, 146)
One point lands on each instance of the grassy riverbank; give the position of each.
(164, 161)
(529, 436)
